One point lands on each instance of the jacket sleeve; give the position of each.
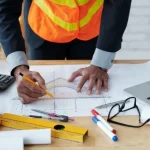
(10, 33)
(113, 24)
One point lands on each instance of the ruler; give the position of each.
(111, 104)
(60, 83)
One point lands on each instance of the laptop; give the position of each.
(140, 91)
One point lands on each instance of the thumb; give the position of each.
(74, 75)
(38, 78)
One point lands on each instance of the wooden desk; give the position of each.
(129, 138)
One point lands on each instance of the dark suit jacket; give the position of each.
(114, 20)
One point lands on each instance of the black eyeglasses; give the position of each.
(116, 109)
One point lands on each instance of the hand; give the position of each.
(27, 91)
(95, 75)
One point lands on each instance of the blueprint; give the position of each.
(67, 101)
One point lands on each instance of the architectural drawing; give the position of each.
(67, 100)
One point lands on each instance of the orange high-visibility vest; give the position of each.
(64, 20)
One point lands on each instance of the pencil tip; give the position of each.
(21, 74)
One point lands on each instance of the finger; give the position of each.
(105, 85)
(32, 87)
(30, 93)
(98, 86)
(36, 76)
(91, 85)
(81, 83)
(25, 99)
(75, 75)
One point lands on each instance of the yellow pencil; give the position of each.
(31, 81)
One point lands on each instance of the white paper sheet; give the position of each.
(9, 143)
(145, 114)
(121, 76)
(37, 136)
(4, 68)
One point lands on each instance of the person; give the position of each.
(54, 29)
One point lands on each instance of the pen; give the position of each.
(31, 81)
(108, 132)
(97, 115)
(53, 115)
(56, 115)
(52, 118)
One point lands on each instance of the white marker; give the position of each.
(102, 126)
(97, 115)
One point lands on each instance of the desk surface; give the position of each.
(129, 138)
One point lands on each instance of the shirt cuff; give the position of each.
(103, 59)
(16, 59)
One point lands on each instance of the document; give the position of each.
(9, 143)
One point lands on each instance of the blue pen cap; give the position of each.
(115, 138)
(95, 120)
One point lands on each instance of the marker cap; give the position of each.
(94, 112)
(95, 120)
(114, 131)
(115, 138)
